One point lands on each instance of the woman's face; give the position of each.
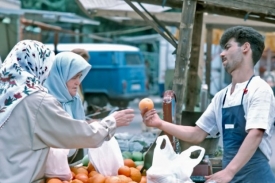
(73, 84)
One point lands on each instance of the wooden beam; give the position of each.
(208, 57)
(266, 7)
(40, 24)
(169, 3)
(238, 13)
(226, 26)
(143, 23)
(49, 27)
(220, 19)
(163, 16)
(193, 85)
(183, 54)
(121, 32)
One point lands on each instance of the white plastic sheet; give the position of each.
(57, 164)
(107, 158)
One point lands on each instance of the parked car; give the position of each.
(117, 75)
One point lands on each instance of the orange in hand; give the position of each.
(146, 104)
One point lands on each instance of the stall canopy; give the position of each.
(261, 19)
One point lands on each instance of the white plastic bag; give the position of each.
(107, 158)
(57, 164)
(167, 166)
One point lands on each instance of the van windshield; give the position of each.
(133, 59)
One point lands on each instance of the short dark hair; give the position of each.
(242, 35)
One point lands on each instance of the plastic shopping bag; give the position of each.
(167, 166)
(57, 164)
(107, 158)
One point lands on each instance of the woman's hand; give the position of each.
(151, 118)
(123, 117)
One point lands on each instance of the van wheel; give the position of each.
(122, 104)
(99, 100)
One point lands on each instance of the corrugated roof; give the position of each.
(119, 5)
(51, 16)
(11, 4)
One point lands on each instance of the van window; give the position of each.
(132, 59)
(102, 58)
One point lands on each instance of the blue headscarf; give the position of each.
(66, 66)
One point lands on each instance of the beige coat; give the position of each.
(37, 123)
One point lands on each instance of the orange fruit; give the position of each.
(54, 180)
(98, 178)
(81, 170)
(124, 179)
(76, 181)
(129, 163)
(135, 174)
(73, 175)
(92, 173)
(90, 167)
(112, 179)
(64, 181)
(143, 179)
(73, 169)
(146, 104)
(139, 167)
(82, 176)
(124, 170)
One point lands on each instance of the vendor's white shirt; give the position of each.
(259, 107)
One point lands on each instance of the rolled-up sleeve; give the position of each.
(55, 128)
(208, 120)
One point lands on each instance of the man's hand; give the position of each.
(151, 118)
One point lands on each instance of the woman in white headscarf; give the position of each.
(31, 120)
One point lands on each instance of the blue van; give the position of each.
(117, 75)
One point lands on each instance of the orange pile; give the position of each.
(128, 173)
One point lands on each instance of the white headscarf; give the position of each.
(22, 73)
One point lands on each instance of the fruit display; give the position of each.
(129, 173)
(135, 142)
(133, 148)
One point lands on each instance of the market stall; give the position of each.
(189, 41)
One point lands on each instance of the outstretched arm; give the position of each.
(189, 134)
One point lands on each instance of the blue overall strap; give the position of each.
(244, 92)
(245, 89)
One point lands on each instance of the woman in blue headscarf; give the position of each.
(67, 72)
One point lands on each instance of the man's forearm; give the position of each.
(189, 134)
(246, 151)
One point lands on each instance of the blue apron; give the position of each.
(257, 169)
